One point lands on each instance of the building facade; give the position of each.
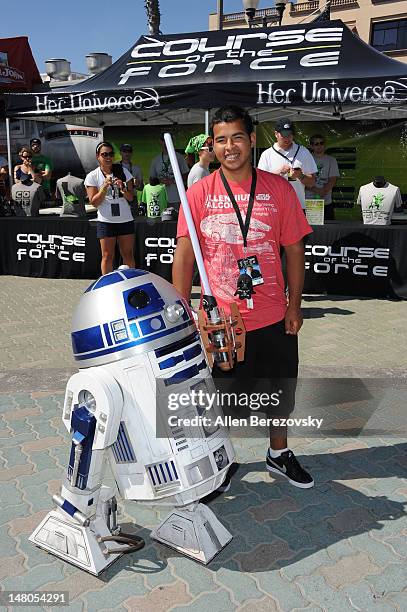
(380, 23)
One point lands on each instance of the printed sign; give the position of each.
(314, 209)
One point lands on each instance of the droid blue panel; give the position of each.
(133, 273)
(149, 326)
(185, 314)
(85, 340)
(185, 374)
(107, 279)
(177, 345)
(125, 345)
(122, 449)
(142, 300)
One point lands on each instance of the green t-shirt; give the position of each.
(42, 162)
(155, 199)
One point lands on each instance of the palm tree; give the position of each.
(153, 16)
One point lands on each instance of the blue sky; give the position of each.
(72, 30)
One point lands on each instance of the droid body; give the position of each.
(137, 347)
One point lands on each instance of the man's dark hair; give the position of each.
(315, 137)
(229, 114)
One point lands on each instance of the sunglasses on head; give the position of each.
(318, 142)
(210, 149)
(107, 154)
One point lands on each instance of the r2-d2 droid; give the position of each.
(135, 341)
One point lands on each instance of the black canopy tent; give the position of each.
(322, 70)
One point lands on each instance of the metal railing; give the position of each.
(340, 3)
(260, 14)
(312, 5)
(304, 7)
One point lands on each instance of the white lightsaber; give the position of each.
(188, 215)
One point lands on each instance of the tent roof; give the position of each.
(308, 67)
(18, 70)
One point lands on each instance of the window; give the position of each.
(390, 35)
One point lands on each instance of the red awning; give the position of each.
(18, 70)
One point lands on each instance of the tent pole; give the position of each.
(206, 122)
(255, 144)
(10, 168)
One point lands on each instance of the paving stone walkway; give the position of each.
(339, 546)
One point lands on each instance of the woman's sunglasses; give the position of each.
(210, 149)
(318, 143)
(26, 157)
(106, 154)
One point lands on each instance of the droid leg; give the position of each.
(194, 531)
(83, 529)
(77, 530)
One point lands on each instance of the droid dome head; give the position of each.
(125, 312)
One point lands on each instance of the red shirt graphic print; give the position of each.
(277, 220)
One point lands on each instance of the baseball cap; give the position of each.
(285, 126)
(196, 143)
(35, 141)
(126, 147)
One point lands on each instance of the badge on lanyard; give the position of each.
(250, 265)
(245, 281)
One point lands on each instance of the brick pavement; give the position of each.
(339, 546)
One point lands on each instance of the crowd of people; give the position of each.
(313, 174)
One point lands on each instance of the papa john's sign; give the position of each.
(8, 74)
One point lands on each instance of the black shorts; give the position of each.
(110, 230)
(270, 366)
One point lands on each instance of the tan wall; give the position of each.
(359, 14)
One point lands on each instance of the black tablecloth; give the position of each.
(155, 245)
(54, 247)
(49, 247)
(341, 258)
(355, 259)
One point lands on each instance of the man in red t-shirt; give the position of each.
(276, 220)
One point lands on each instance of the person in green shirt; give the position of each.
(42, 163)
(155, 198)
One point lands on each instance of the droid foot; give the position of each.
(194, 531)
(83, 546)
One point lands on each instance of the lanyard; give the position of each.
(165, 165)
(285, 156)
(130, 168)
(244, 227)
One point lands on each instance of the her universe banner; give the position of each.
(295, 65)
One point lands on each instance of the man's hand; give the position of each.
(321, 191)
(296, 173)
(293, 320)
(285, 169)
